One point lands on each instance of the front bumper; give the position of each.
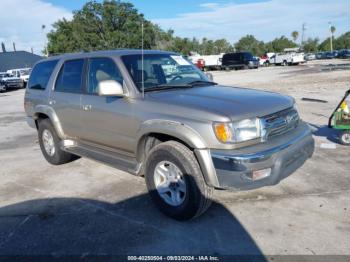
(284, 155)
(14, 84)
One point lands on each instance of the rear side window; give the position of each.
(70, 77)
(41, 74)
(233, 56)
(248, 56)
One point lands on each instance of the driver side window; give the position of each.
(101, 69)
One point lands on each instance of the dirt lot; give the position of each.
(88, 208)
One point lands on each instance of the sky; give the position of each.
(214, 19)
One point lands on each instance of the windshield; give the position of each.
(24, 72)
(162, 70)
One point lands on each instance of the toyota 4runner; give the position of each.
(154, 114)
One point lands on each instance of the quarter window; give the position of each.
(41, 74)
(102, 69)
(70, 77)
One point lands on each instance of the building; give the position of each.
(17, 59)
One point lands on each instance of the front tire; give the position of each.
(50, 144)
(345, 138)
(175, 182)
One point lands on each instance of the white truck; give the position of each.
(290, 56)
(211, 62)
(8, 80)
(22, 73)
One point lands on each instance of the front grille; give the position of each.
(279, 123)
(13, 81)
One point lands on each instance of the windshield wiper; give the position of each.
(187, 85)
(165, 87)
(201, 82)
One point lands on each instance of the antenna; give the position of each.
(142, 65)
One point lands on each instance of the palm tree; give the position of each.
(333, 29)
(295, 35)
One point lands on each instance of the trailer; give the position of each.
(211, 62)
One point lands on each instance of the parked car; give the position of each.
(240, 60)
(344, 53)
(2, 83)
(310, 56)
(330, 55)
(159, 116)
(321, 55)
(9, 81)
(264, 60)
(22, 73)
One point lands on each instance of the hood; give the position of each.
(233, 102)
(10, 78)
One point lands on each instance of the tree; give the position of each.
(279, 44)
(332, 29)
(108, 25)
(342, 42)
(311, 45)
(222, 46)
(295, 35)
(115, 24)
(251, 44)
(325, 45)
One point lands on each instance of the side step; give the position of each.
(109, 157)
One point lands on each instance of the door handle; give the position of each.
(87, 107)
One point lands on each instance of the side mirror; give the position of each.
(210, 76)
(110, 88)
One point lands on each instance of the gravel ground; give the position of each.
(88, 208)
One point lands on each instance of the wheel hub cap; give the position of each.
(49, 143)
(346, 138)
(170, 183)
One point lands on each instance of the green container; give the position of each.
(341, 121)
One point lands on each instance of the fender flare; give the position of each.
(187, 135)
(172, 128)
(50, 112)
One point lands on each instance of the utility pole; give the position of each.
(331, 38)
(303, 28)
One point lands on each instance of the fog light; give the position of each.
(260, 174)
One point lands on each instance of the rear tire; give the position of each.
(50, 144)
(185, 197)
(345, 138)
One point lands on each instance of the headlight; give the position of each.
(295, 107)
(237, 132)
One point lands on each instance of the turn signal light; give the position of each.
(222, 132)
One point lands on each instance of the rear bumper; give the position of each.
(234, 168)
